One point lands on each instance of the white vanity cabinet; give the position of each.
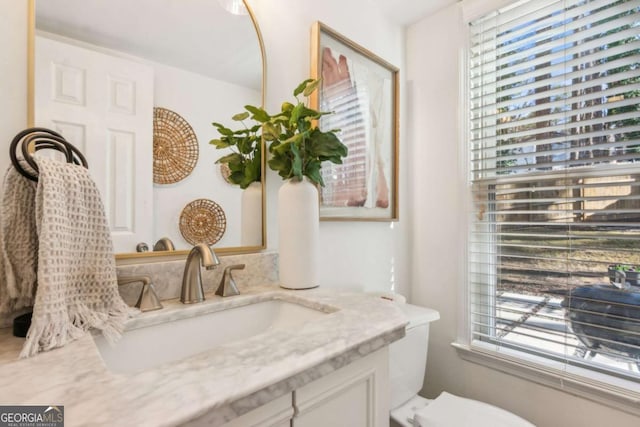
(356, 395)
(277, 413)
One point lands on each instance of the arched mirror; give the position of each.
(136, 85)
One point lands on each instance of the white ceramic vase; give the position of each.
(299, 234)
(251, 215)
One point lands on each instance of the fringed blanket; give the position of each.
(18, 243)
(76, 275)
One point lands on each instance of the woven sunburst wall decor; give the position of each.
(202, 221)
(175, 147)
(225, 172)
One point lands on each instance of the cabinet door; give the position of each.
(276, 413)
(356, 395)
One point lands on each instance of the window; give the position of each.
(554, 123)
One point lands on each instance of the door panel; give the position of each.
(103, 105)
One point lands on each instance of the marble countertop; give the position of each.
(219, 384)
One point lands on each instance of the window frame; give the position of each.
(591, 384)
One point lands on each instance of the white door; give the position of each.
(103, 105)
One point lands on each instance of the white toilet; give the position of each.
(407, 363)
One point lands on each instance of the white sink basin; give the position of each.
(143, 348)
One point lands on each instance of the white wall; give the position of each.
(373, 256)
(200, 100)
(434, 49)
(13, 69)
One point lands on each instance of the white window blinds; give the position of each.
(554, 108)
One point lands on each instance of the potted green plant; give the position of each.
(298, 147)
(246, 146)
(631, 273)
(245, 166)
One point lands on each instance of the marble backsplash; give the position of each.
(260, 269)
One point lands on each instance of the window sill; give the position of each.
(600, 388)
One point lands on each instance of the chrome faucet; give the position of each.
(148, 299)
(192, 290)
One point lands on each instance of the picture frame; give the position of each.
(360, 90)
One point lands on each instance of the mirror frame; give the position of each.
(31, 39)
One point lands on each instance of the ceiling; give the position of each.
(195, 35)
(407, 12)
(206, 39)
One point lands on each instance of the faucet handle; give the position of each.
(148, 299)
(227, 285)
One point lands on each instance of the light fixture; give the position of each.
(235, 7)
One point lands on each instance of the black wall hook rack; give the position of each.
(41, 138)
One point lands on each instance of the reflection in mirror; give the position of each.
(101, 69)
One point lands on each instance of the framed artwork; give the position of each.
(360, 90)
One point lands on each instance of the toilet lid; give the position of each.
(453, 411)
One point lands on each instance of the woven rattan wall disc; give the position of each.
(175, 147)
(225, 172)
(202, 221)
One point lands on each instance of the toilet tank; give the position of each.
(408, 356)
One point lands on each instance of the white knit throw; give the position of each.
(18, 242)
(76, 276)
